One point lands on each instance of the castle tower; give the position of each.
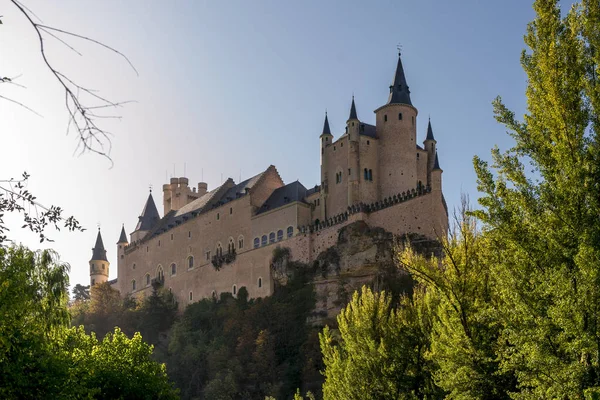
(436, 175)
(147, 220)
(121, 244)
(396, 128)
(430, 145)
(353, 129)
(326, 139)
(98, 264)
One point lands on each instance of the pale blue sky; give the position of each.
(226, 86)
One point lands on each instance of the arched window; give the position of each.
(133, 267)
(256, 242)
(263, 240)
(272, 237)
(213, 295)
(190, 262)
(133, 284)
(290, 231)
(173, 269)
(279, 235)
(234, 290)
(240, 242)
(400, 116)
(259, 282)
(160, 274)
(147, 279)
(370, 174)
(231, 246)
(219, 249)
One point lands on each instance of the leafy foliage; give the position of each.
(41, 357)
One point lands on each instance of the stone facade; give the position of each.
(210, 242)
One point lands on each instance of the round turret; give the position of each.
(99, 265)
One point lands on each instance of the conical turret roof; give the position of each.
(149, 216)
(326, 130)
(436, 164)
(399, 91)
(98, 252)
(123, 236)
(353, 110)
(429, 132)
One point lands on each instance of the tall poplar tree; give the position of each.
(541, 210)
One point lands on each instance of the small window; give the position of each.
(366, 174)
(371, 175)
(160, 274)
(189, 234)
(218, 216)
(146, 249)
(256, 242)
(385, 118)
(353, 124)
(122, 256)
(413, 121)
(279, 235)
(241, 242)
(133, 267)
(208, 255)
(191, 296)
(272, 237)
(159, 243)
(171, 236)
(219, 249)
(349, 171)
(400, 116)
(263, 240)
(333, 148)
(342, 144)
(190, 262)
(234, 290)
(368, 142)
(103, 266)
(290, 231)
(231, 246)
(147, 279)
(259, 282)
(93, 282)
(173, 269)
(326, 139)
(417, 156)
(230, 210)
(213, 295)
(133, 284)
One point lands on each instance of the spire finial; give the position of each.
(150, 187)
(399, 48)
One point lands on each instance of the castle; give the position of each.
(209, 242)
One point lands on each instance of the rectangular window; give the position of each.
(230, 210)
(191, 296)
(171, 236)
(218, 216)
(349, 171)
(189, 234)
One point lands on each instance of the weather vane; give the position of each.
(150, 187)
(399, 47)
(98, 224)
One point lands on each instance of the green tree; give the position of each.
(458, 292)
(540, 208)
(81, 293)
(379, 353)
(40, 357)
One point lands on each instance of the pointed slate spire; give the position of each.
(123, 237)
(436, 165)
(399, 91)
(149, 216)
(429, 131)
(353, 110)
(98, 252)
(326, 130)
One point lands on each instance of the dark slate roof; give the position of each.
(368, 130)
(123, 237)
(399, 91)
(314, 190)
(149, 216)
(429, 132)
(223, 194)
(98, 252)
(420, 148)
(353, 110)
(113, 281)
(289, 193)
(326, 130)
(436, 165)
